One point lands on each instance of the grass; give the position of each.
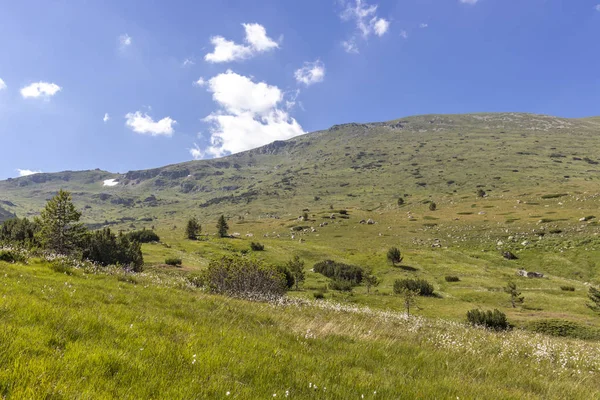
(93, 335)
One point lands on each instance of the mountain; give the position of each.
(360, 165)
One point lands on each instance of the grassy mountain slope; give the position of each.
(89, 335)
(540, 174)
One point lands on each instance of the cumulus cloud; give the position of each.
(199, 82)
(249, 115)
(468, 1)
(2, 84)
(423, 25)
(110, 182)
(311, 72)
(124, 41)
(144, 124)
(106, 117)
(27, 172)
(40, 89)
(381, 26)
(256, 40)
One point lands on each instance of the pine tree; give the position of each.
(594, 296)
(296, 267)
(222, 226)
(193, 229)
(60, 230)
(515, 295)
(394, 256)
(370, 280)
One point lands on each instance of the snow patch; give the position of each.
(110, 182)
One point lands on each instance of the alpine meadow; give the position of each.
(318, 199)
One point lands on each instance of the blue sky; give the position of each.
(180, 80)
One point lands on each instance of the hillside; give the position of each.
(351, 165)
(539, 175)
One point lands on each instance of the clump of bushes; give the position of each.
(319, 295)
(495, 320)
(62, 266)
(339, 271)
(341, 285)
(244, 277)
(175, 262)
(106, 248)
(450, 278)
(255, 246)
(562, 328)
(143, 236)
(420, 286)
(567, 288)
(12, 256)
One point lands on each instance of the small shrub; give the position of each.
(195, 280)
(341, 285)
(244, 277)
(495, 320)
(452, 279)
(343, 212)
(562, 328)
(175, 262)
(554, 196)
(12, 256)
(255, 246)
(567, 288)
(421, 286)
(318, 295)
(432, 206)
(288, 275)
(143, 236)
(339, 271)
(62, 266)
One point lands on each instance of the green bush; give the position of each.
(421, 286)
(105, 248)
(12, 256)
(318, 295)
(340, 271)
(495, 320)
(175, 262)
(562, 328)
(452, 279)
(62, 266)
(567, 288)
(289, 277)
(255, 246)
(244, 277)
(143, 236)
(341, 284)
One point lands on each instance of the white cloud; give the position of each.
(311, 72)
(468, 1)
(423, 25)
(2, 84)
(404, 34)
(227, 50)
(200, 82)
(27, 172)
(381, 26)
(40, 89)
(124, 41)
(110, 182)
(144, 124)
(106, 117)
(187, 63)
(196, 152)
(365, 18)
(597, 8)
(249, 115)
(350, 46)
